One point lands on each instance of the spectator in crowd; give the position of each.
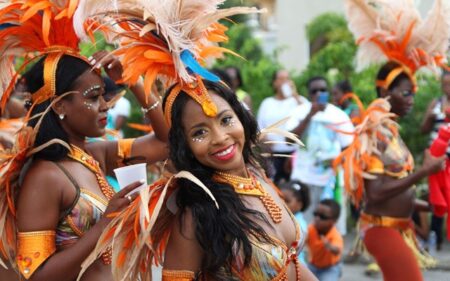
(236, 85)
(341, 97)
(119, 113)
(274, 109)
(297, 199)
(325, 130)
(324, 242)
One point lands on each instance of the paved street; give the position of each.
(355, 272)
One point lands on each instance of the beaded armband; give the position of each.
(177, 275)
(33, 249)
(124, 150)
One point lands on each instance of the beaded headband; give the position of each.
(197, 92)
(48, 90)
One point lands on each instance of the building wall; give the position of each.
(292, 16)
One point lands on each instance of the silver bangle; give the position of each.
(151, 107)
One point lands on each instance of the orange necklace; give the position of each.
(251, 187)
(89, 162)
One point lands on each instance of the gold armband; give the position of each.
(124, 150)
(177, 275)
(33, 249)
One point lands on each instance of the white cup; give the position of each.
(129, 174)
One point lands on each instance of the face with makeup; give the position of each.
(85, 111)
(216, 142)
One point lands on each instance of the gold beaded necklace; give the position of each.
(251, 187)
(89, 162)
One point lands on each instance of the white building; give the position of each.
(284, 26)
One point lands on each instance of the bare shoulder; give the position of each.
(40, 197)
(99, 149)
(43, 175)
(184, 226)
(183, 250)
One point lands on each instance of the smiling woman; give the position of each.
(239, 229)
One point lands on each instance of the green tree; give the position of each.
(256, 67)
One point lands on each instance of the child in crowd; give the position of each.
(324, 242)
(297, 199)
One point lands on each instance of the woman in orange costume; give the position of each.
(378, 166)
(54, 198)
(219, 218)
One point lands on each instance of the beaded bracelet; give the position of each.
(151, 107)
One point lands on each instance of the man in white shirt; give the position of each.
(274, 109)
(325, 130)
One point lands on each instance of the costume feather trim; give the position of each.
(355, 159)
(154, 35)
(139, 234)
(394, 30)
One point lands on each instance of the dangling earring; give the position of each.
(61, 116)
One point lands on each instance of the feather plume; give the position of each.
(274, 129)
(162, 29)
(138, 234)
(394, 30)
(30, 27)
(357, 156)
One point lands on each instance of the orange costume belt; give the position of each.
(366, 221)
(406, 228)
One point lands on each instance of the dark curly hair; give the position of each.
(218, 231)
(68, 70)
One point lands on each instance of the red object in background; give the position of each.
(439, 183)
(439, 146)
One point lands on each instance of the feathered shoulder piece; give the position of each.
(166, 39)
(395, 31)
(138, 235)
(29, 29)
(377, 122)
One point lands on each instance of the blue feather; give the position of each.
(193, 66)
(6, 25)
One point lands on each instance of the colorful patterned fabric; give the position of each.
(86, 213)
(395, 159)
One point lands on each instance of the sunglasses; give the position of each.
(321, 216)
(315, 91)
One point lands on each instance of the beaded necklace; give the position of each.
(252, 187)
(89, 162)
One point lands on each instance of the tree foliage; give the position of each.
(256, 67)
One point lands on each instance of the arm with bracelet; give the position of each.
(149, 148)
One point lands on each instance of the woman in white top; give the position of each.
(274, 109)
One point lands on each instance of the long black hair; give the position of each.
(219, 231)
(68, 70)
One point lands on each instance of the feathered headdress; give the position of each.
(394, 30)
(29, 29)
(169, 40)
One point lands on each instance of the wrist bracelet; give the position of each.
(151, 107)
